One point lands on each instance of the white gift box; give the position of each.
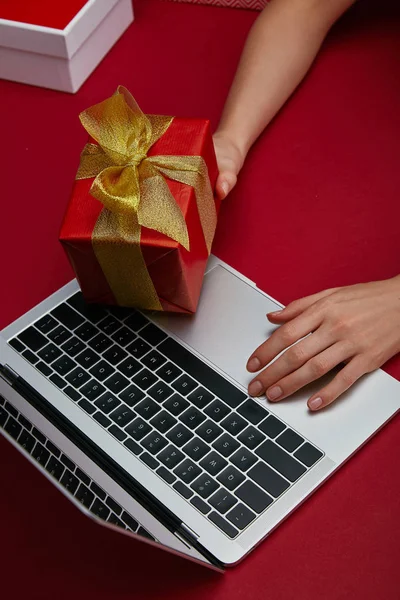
(59, 57)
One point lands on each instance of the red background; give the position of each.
(317, 205)
(48, 13)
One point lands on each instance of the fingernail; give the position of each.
(253, 364)
(255, 388)
(225, 187)
(276, 313)
(315, 403)
(274, 393)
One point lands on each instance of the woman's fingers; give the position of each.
(297, 307)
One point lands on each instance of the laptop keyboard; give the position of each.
(223, 452)
(75, 481)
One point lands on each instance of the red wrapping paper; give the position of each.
(177, 274)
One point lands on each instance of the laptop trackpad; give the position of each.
(229, 324)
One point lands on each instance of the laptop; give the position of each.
(143, 420)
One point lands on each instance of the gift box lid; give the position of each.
(47, 27)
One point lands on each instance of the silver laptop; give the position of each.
(144, 423)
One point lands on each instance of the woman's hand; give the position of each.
(358, 325)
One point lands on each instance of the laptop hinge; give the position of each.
(8, 375)
(189, 531)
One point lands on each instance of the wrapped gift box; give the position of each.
(57, 44)
(142, 215)
(247, 4)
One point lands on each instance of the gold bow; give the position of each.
(135, 194)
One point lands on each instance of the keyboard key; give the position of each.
(251, 437)
(109, 325)
(133, 446)
(122, 416)
(49, 353)
(11, 409)
(117, 433)
(70, 481)
(64, 365)
(268, 479)
(43, 368)
(153, 360)
(154, 442)
(107, 402)
(243, 459)
(17, 345)
(102, 419)
(280, 460)
(179, 435)
(144, 379)
(204, 485)
(222, 501)
(130, 521)
(24, 422)
(27, 441)
(183, 489)
(168, 372)
(115, 521)
(120, 312)
(136, 321)
(87, 406)
(204, 374)
(272, 426)
(209, 431)
(226, 445)
(187, 471)
(290, 440)
(200, 505)
(184, 384)
(100, 509)
(252, 411)
(255, 498)
(171, 456)
(67, 316)
(59, 335)
(116, 383)
(163, 421)
(213, 463)
(115, 355)
(147, 408)
(55, 468)
(130, 366)
(113, 505)
(92, 312)
(196, 449)
(152, 334)
(87, 358)
(73, 346)
(46, 324)
(131, 395)
(160, 391)
(102, 370)
(149, 460)
(308, 454)
(138, 429)
(53, 449)
(223, 525)
(233, 423)
(92, 389)
(58, 381)
(82, 476)
(217, 410)
(86, 331)
(100, 343)
(176, 404)
(39, 435)
(77, 377)
(67, 462)
(192, 417)
(84, 495)
(200, 397)
(241, 516)
(138, 348)
(32, 338)
(30, 357)
(3, 416)
(123, 336)
(166, 475)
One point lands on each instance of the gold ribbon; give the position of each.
(135, 194)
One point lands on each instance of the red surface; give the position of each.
(48, 13)
(177, 274)
(317, 205)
